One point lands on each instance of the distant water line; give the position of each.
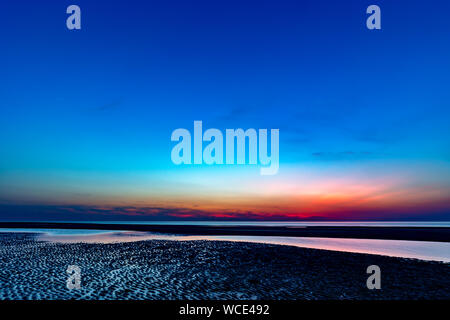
(278, 223)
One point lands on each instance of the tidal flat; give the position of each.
(213, 270)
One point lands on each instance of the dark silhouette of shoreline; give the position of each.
(440, 234)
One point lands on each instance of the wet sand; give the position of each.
(159, 269)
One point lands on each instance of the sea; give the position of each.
(422, 250)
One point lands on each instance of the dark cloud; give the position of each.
(132, 213)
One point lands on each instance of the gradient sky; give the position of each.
(86, 116)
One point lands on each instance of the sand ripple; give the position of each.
(159, 269)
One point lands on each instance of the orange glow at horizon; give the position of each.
(293, 194)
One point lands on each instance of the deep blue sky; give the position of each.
(84, 106)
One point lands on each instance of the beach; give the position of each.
(211, 270)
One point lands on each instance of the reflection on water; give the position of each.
(424, 250)
(57, 232)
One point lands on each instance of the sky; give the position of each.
(86, 115)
